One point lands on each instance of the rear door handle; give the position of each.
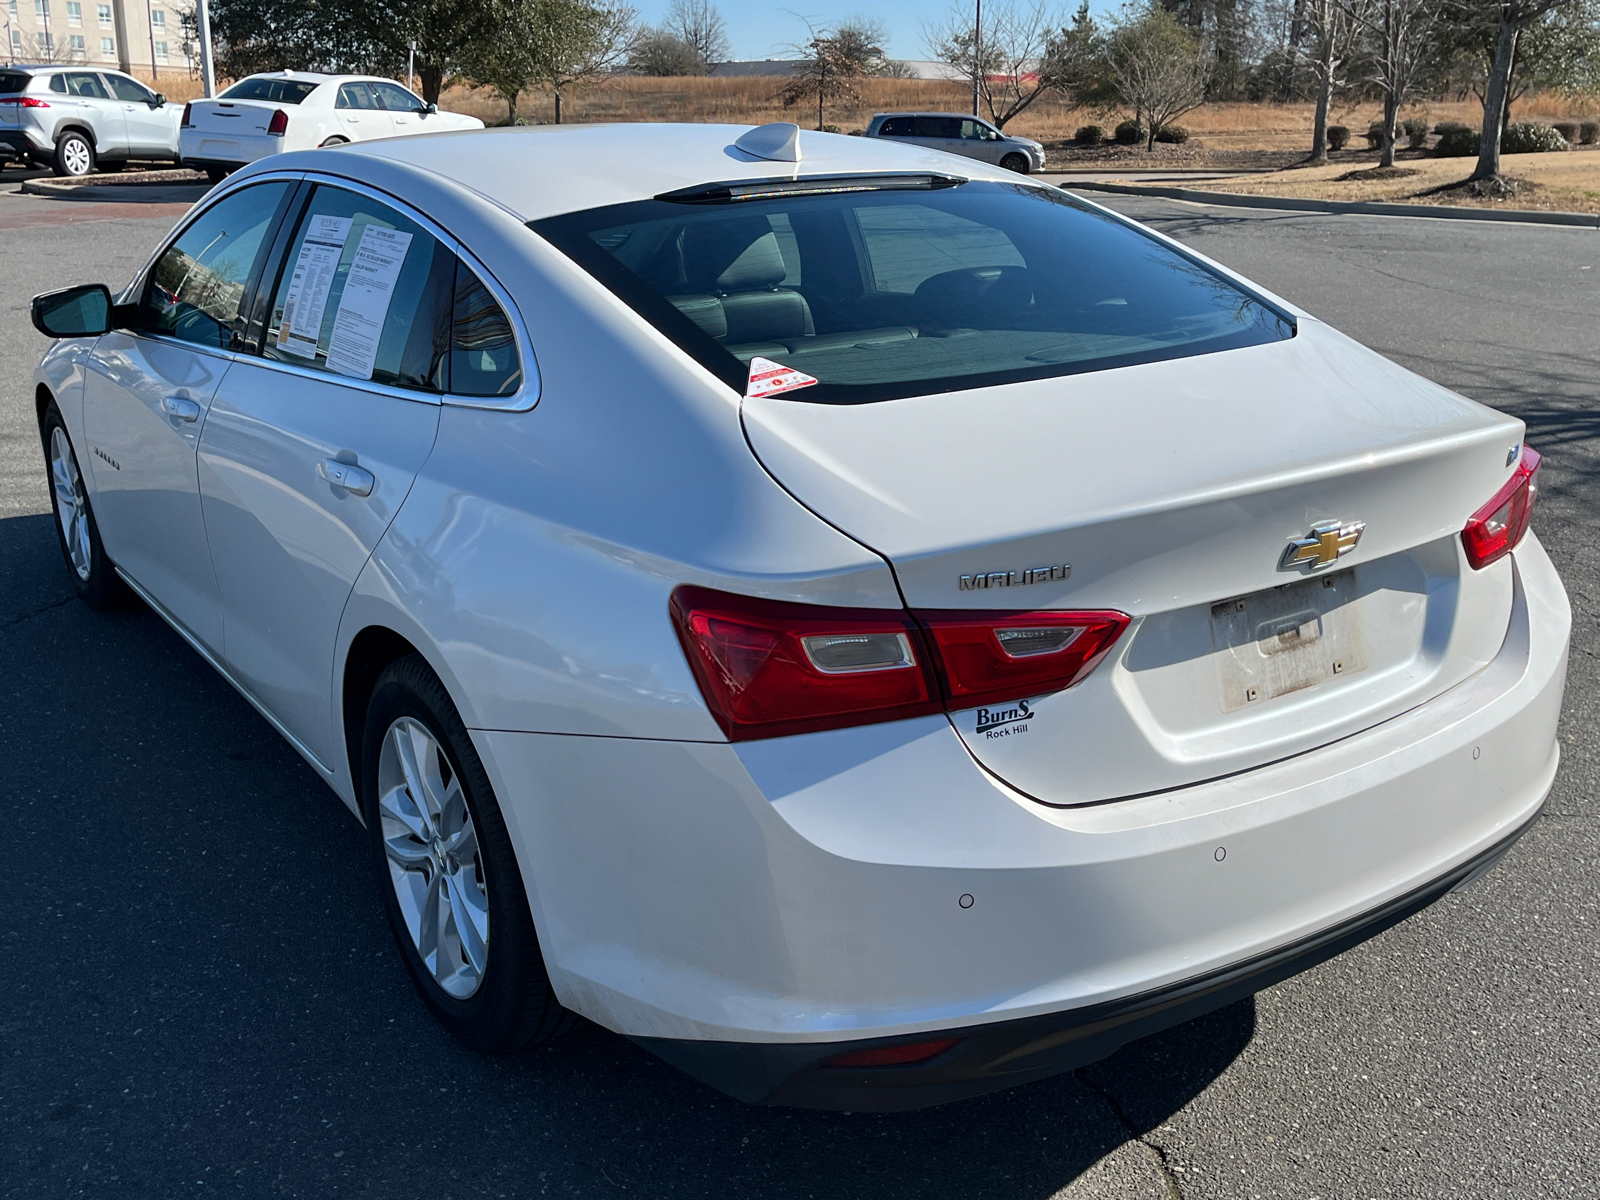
(350, 477)
(184, 410)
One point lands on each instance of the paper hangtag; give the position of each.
(768, 378)
(307, 298)
(368, 289)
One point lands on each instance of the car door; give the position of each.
(359, 114)
(311, 447)
(980, 141)
(404, 109)
(146, 395)
(103, 114)
(152, 131)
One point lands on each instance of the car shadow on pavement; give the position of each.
(202, 988)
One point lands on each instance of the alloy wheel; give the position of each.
(72, 508)
(75, 156)
(434, 860)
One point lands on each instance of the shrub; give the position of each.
(1374, 135)
(1090, 135)
(1338, 137)
(1416, 130)
(830, 129)
(858, 133)
(1444, 127)
(1568, 131)
(1459, 141)
(1589, 132)
(1131, 133)
(1174, 135)
(1530, 139)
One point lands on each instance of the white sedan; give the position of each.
(866, 626)
(262, 115)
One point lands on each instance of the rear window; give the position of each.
(276, 91)
(13, 81)
(898, 292)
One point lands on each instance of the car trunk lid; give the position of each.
(231, 118)
(1172, 491)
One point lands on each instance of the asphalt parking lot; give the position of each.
(200, 995)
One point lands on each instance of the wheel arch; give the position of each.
(372, 649)
(42, 399)
(74, 126)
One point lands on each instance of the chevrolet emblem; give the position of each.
(1326, 543)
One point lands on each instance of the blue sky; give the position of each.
(764, 30)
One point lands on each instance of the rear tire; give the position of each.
(216, 174)
(1015, 162)
(94, 580)
(335, 140)
(451, 886)
(74, 157)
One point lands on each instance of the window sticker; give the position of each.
(768, 378)
(368, 289)
(307, 299)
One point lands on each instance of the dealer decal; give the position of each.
(768, 378)
(1004, 722)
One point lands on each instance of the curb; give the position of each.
(1369, 208)
(58, 187)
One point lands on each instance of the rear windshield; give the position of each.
(13, 81)
(277, 91)
(882, 294)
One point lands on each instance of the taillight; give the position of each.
(1495, 529)
(903, 1055)
(25, 101)
(279, 124)
(992, 656)
(768, 668)
(187, 109)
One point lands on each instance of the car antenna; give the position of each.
(777, 142)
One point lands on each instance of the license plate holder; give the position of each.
(1287, 639)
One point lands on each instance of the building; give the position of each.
(150, 38)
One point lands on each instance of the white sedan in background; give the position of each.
(268, 114)
(869, 627)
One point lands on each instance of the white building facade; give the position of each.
(150, 38)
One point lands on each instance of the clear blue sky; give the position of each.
(766, 30)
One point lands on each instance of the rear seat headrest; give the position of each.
(733, 256)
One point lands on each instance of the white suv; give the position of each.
(77, 119)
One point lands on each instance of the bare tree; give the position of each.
(700, 24)
(1510, 18)
(1402, 43)
(1156, 65)
(831, 63)
(1009, 58)
(1335, 39)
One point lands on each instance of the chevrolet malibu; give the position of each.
(869, 628)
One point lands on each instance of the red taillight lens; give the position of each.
(767, 667)
(1495, 529)
(993, 656)
(894, 1056)
(187, 109)
(279, 124)
(25, 101)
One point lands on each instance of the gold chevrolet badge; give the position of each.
(1325, 544)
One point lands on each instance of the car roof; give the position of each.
(964, 116)
(299, 76)
(542, 171)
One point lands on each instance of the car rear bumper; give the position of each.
(229, 153)
(17, 143)
(777, 902)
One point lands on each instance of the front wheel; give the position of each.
(74, 156)
(1015, 162)
(94, 579)
(451, 886)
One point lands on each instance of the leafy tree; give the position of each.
(700, 24)
(832, 62)
(1158, 68)
(546, 43)
(658, 52)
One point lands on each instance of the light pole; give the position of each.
(150, 24)
(411, 64)
(202, 26)
(977, 56)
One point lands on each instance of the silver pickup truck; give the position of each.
(76, 119)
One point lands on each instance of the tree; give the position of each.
(658, 52)
(1229, 33)
(1335, 39)
(1157, 67)
(700, 24)
(546, 43)
(1011, 58)
(1403, 42)
(831, 64)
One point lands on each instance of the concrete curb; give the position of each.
(62, 187)
(1369, 208)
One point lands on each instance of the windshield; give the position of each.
(882, 294)
(276, 91)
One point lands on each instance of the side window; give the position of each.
(974, 131)
(395, 98)
(355, 95)
(363, 292)
(58, 83)
(483, 352)
(197, 286)
(896, 127)
(81, 83)
(910, 243)
(126, 89)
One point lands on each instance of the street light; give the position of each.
(202, 24)
(977, 56)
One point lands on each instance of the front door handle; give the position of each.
(350, 477)
(183, 410)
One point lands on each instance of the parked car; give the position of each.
(262, 115)
(957, 133)
(869, 634)
(78, 119)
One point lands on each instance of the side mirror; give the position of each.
(159, 101)
(83, 311)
